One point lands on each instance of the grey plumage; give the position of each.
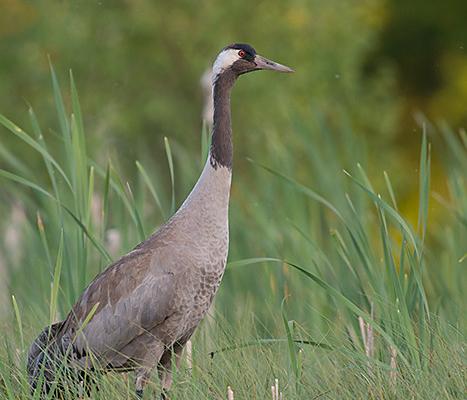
(148, 304)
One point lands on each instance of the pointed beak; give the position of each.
(263, 63)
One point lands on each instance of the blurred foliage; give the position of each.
(138, 65)
(427, 44)
(138, 62)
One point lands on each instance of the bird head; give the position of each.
(239, 58)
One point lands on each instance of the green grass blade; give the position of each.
(76, 109)
(89, 235)
(151, 188)
(48, 164)
(18, 320)
(139, 221)
(390, 190)
(304, 189)
(424, 186)
(16, 163)
(350, 305)
(105, 201)
(250, 261)
(59, 105)
(115, 182)
(86, 321)
(79, 168)
(56, 281)
(405, 327)
(41, 229)
(291, 346)
(393, 213)
(32, 185)
(269, 342)
(90, 196)
(128, 201)
(365, 178)
(20, 133)
(168, 152)
(16, 178)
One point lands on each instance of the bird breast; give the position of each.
(197, 237)
(202, 220)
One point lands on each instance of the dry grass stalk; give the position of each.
(366, 331)
(276, 394)
(189, 354)
(393, 364)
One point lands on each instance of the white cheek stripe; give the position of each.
(224, 60)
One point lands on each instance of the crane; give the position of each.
(146, 305)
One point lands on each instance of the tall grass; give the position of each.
(330, 289)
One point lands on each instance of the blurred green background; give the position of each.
(138, 65)
(371, 76)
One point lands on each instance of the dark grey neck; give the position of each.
(221, 142)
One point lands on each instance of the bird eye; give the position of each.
(242, 53)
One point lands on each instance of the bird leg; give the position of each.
(146, 366)
(142, 377)
(165, 368)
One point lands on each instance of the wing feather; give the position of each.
(133, 296)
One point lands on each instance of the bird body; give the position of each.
(144, 307)
(171, 278)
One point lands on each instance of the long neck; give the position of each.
(212, 190)
(221, 143)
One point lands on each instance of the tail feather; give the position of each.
(43, 357)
